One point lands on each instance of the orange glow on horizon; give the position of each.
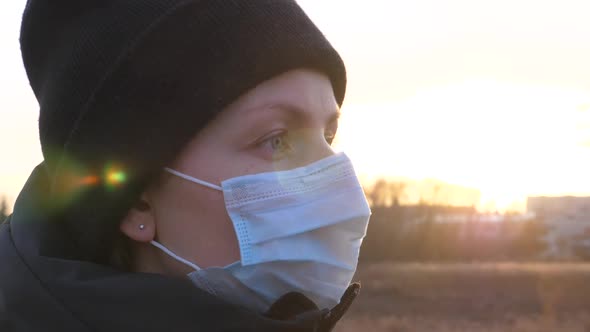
(507, 140)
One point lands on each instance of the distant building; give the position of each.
(484, 225)
(568, 221)
(495, 218)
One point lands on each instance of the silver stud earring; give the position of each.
(141, 227)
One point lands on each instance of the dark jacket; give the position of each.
(42, 288)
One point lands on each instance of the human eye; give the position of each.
(330, 131)
(275, 145)
(329, 135)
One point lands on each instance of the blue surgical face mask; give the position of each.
(298, 230)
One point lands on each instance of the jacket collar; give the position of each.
(43, 287)
(295, 305)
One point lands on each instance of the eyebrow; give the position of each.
(297, 112)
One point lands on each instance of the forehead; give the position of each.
(301, 89)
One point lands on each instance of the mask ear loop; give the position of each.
(192, 179)
(168, 251)
(175, 256)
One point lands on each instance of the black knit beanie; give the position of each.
(123, 85)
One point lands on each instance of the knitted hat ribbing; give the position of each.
(124, 85)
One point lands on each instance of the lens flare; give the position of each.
(114, 176)
(89, 180)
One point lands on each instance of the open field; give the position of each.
(501, 297)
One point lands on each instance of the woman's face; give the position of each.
(284, 123)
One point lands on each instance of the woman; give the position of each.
(188, 182)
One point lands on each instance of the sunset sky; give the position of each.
(490, 95)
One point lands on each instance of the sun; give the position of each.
(508, 140)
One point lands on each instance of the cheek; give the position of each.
(195, 220)
(246, 163)
(181, 196)
(189, 205)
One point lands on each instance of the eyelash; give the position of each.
(329, 137)
(267, 143)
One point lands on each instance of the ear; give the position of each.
(138, 215)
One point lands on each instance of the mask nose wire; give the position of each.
(192, 179)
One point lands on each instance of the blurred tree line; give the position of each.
(3, 209)
(413, 233)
